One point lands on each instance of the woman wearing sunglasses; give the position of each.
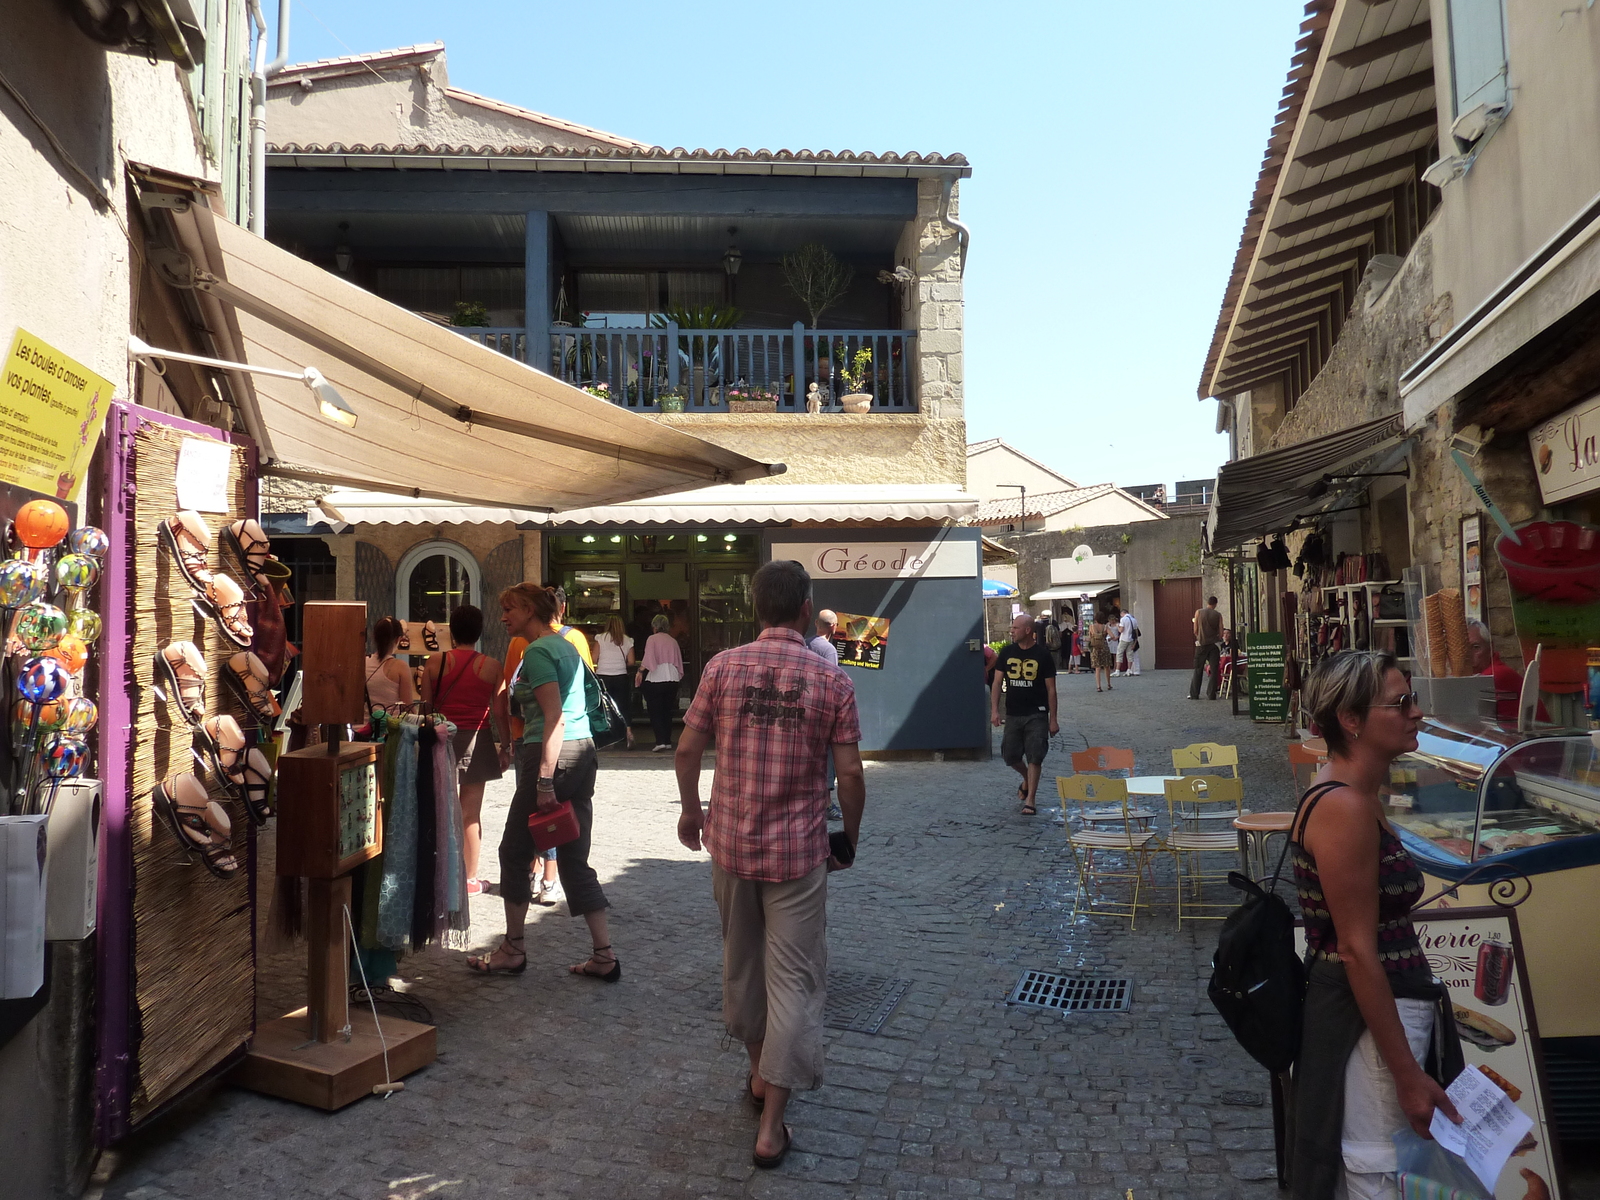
(1372, 1005)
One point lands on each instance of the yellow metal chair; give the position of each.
(1191, 801)
(1114, 763)
(1098, 838)
(1206, 758)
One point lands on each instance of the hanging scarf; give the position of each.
(451, 880)
(398, 886)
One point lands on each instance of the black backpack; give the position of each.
(1258, 983)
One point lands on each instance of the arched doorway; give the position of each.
(433, 580)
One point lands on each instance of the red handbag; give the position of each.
(554, 828)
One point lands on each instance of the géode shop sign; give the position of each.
(1566, 452)
(883, 560)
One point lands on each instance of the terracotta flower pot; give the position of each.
(856, 402)
(752, 406)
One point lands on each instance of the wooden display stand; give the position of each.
(329, 822)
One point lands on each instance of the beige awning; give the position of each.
(1092, 587)
(439, 415)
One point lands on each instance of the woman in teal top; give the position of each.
(557, 764)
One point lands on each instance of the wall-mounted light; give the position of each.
(329, 403)
(732, 259)
(342, 257)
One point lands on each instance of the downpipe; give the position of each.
(258, 108)
(963, 234)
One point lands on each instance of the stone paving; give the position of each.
(553, 1086)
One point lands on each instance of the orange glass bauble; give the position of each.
(71, 652)
(40, 524)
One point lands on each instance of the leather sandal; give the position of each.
(180, 676)
(254, 778)
(770, 1162)
(483, 964)
(430, 635)
(247, 678)
(610, 976)
(198, 822)
(223, 742)
(223, 601)
(187, 538)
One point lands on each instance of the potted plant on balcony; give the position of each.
(817, 278)
(742, 399)
(670, 400)
(855, 372)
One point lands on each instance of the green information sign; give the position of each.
(1265, 654)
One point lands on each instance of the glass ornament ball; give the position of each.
(21, 582)
(42, 680)
(40, 524)
(90, 540)
(71, 652)
(84, 623)
(40, 626)
(77, 572)
(81, 715)
(51, 716)
(64, 755)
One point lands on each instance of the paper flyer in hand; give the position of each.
(1491, 1125)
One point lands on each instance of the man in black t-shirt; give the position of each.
(1028, 673)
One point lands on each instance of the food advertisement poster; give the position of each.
(51, 413)
(1477, 952)
(861, 641)
(1472, 566)
(1265, 663)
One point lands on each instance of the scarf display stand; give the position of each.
(327, 1055)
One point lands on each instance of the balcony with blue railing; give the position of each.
(639, 367)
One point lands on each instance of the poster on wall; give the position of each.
(52, 409)
(1472, 566)
(1264, 668)
(861, 641)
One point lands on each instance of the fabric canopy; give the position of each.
(1264, 493)
(438, 414)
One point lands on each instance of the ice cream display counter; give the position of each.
(1475, 798)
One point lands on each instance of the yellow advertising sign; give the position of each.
(51, 413)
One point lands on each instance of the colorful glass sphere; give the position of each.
(90, 540)
(71, 652)
(77, 572)
(81, 715)
(21, 582)
(40, 626)
(84, 623)
(64, 755)
(40, 524)
(51, 716)
(42, 680)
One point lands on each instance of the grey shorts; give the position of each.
(1026, 736)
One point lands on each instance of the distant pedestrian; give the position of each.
(1028, 673)
(1207, 649)
(1128, 644)
(822, 646)
(1100, 656)
(614, 663)
(1052, 637)
(1113, 623)
(659, 675)
(775, 709)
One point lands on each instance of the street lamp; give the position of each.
(330, 404)
(1022, 519)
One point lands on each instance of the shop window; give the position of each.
(725, 545)
(593, 597)
(1477, 54)
(569, 546)
(433, 580)
(659, 543)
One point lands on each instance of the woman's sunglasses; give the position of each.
(1403, 702)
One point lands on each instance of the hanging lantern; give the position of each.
(64, 755)
(81, 715)
(21, 582)
(40, 626)
(84, 623)
(40, 524)
(90, 540)
(77, 572)
(42, 680)
(71, 652)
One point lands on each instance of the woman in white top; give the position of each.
(614, 665)
(388, 679)
(659, 674)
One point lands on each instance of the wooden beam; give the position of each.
(1340, 183)
(1559, 367)
(1355, 233)
(1234, 357)
(1373, 204)
(1368, 52)
(1233, 385)
(1309, 321)
(1309, 308)
(1393, 131)
(1296, 274)
(1318, 287)
(1408, 85)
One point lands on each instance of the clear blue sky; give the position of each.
(1114, 148)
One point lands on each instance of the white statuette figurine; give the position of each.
(813, 399)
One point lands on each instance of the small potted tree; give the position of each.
(855, 372)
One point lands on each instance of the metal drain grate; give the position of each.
(1070, 993)
(860, 1002)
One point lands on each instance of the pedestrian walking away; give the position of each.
(822, 646)
(1027, 672)
(1373, 1010)
(614, 664)
(775, 709)
(1128, 644)
(659, 675)
(1207, 649)
(1101, 657)
(558, 766)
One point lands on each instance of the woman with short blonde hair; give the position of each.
(614, 662)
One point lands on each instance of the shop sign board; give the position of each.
(861, 641)
(845, 559)
(51, 411)
(1268, 700)
(1566, 452)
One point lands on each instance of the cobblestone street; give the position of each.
(553, 1086)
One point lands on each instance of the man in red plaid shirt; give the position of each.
(775, 708)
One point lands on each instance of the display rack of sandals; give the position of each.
(198, 593)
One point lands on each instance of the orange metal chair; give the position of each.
(1113, 763)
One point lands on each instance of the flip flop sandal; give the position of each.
(223, 601)
(756, 1102)
(246, 676)
(180, 675)
(484, 964)
(254, 776)
(198, 822)
(430, 635)
(769, 1162)
(188, 539)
